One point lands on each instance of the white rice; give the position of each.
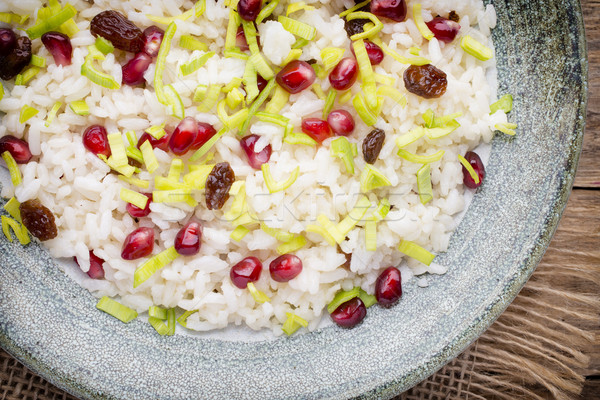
(76, 186)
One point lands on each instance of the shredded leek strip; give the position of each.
(276, 119)
(469, 168)
(147, 269)
(298, 28)
(174, 101)
(117, 149)
(171, 321)
(97, 77)
(431, 121)
(232, 25)
(236, 53)
(69, 28)
(13, 169)
(371, 236)
(275, 186)
(245, 219)
(415, 251)
(331, 228)
(175, 170)
(195, 11)
(421, 159)
(475, 48)
(126, 170)
(157, 312)
(342, 297)
(51, 23)
(345, 97)
(299, 138)
(385, 80)
(354, 8)
(239, 232)
(27, 113)
(211, 98)
(316, 87)
(195, 64)
(369, 33)
(266, 11)
(250, 82)
(19, 230)
(149, 157)
(182, 320)
(506, 128)
(300, 5)
(363, 110)
(418, 61)
(354, 216)
(261, 66)
(12, 18)
(137, 199)
(234, 98)
(208, 145)
(251, 34)
(257, 103)
(12, 208)
(367, 299)
(436, 133)
(142, 184)
(382, 210)
(258, 296)
(415, 51)
(504, 103)
(161, 61)
(29, 74)
(412, 136)
(293, 55)
(329, 102)
(197, 178)
(393, 94)
(278, 101)
(293, 245)
(278, 234)
(322, 232)
(234, 83)
(331, 56)
(424, 184)
(80, 107)
(189, 42)
(156, 131)
(418, 17)
(200, 93)
(1, 91)
(366, 73)
(300, 43)
(293, 323)
(371, 178)
(340, 147)
(158, 325)
(104, 45)
(116, 309)
(163, 184)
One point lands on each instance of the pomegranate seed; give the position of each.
(373, 51)
(187, 241)
(95, 139)
(18, 148)
(240, 39)
(350, 313)
(475, 161)
(59, 45)
(255, 159)
(96, 270)
(8, 41)
(388, 287)
(296, 76)
(261, 82)
(183, 136)
(153, 37)
(316, 128)
(247, 270)
(249, 9)
(137, 212)
(392, 9)
(205, 132)
(341, 122)
(344, 74)
(162, 143)
(133, 71)
(285, 268)
(138, 244)
(443, 29)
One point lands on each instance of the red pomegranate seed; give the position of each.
(240, 39)
(373, 51)
(388, 287)
(153, 37)
(95, 139)
(296, 76)
(443, 29)
(247, 270)
(255, 159)
(392, 9)
(285, 268)
(261, 82)
(205, 132)
(343, 76)
(8, 41)
(59, 45)
(137, 212)
(350, 313)
(187, 241)
(316, 128)
(162, 143)
(341, 122)
(18, 148)
(183, 136)
(249, 9)
(133, 71)
(138, 244)
(96, 270)
(475, 161)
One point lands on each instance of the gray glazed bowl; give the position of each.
(51, 325)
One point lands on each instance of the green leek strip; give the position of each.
(251, 34)
(393, 94)
(345, 97)
(117, 149)
(415, 251)
(275, 186)
(275, 119)
(366, 73)
(239, 232)
(171, 321)
(293, 323)
(12, 208)
(323, 232)
(258, 296)
(149, 158)
(257, 103)
(69, 28)
(354, 8)
(476, 49)
(137, 199)
(371, 178)
(329, 102)
(250, 82)
(237, 120)
(11, 18)
(278, 234)
(299, 138)
(161, 61)
(19, 230)
(371, 235)
(421, 159)
(245, 219)
(382, 210)
(418, 61)
(504, 103)
(13, 169)
(104, 45)
(367, 299)
(415, 51)
(331, 56)
(298, 28)
(196, 11)
(131, 138)
(342, 297)
(300, 43)
(134, 153)
(266, 11)
(175, 170)
(293, 55)
(236, 53)
(385, 80)
(412, 136)
(189, 42)
(29, 74)
(208, 145)
(116, 309)
(293, 245)
(234, 98)
(232, 25)
(200, 93)
(80, 107)
(436, 133)
(27, 113)
(147, 269)
(126, 170)
(424, 184)
(51, 23)
(164, 184)
(19, 80)
(316, 87)
(261, 66)
(174, 101)
(469, 168)
(431, 121)
(94, 54)
(157, 312)
(354, 216)
(418, 17)
(156, 131)
(97, 77)
(1, 91)
(195, 64)
(507, 128)
(278, 101)
(158, 325)
(211, 98)
(340, 147)
(363, 110)
(300, 5)
(331, 228)
(142, 184)
(369, 33)
(233, 84)
(182, 320)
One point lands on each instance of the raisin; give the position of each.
(355, 26)
(372, 145)
(120, 31)
(453, 16)
(13, 63)
(38, 220)
(426, 81)
(218, 183)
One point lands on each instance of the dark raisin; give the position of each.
(38, 220)
(13, 63)
(372, 145)
(354, 26)
(120, 31)
(218, 183)
(453, 16)
(426, 81)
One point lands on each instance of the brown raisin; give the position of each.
(13, 63)
(121, 32)
(355, 26)
(426, 81)
(372, 145)
(218, 183)
(453, 16)
(38, 220)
